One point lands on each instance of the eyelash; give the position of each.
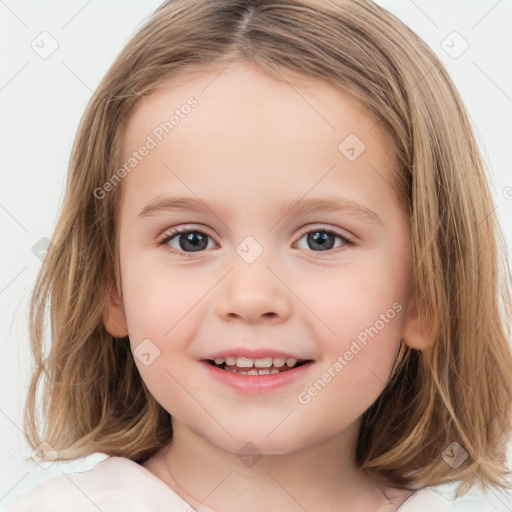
(178, 231)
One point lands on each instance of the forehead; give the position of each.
(226, 92)
(252, 132)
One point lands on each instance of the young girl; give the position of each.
(277, 280)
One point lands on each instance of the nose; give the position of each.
(253, 293)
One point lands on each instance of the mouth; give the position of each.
(262, 366)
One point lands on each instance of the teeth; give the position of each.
(262, 371)
(263, 363)
(243, 362)
(266, 362)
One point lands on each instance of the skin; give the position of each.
(251, 146)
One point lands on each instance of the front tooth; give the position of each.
(219, 360)
(263, 362)
(244, 362)
(291, 361)
(230, 360)
(279, 361)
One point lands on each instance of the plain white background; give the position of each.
(42, 98)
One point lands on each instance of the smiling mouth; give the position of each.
(264, 367)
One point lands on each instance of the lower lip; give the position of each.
(256, 383)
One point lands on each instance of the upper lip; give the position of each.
(252, 353)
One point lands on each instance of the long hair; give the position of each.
(91, 395)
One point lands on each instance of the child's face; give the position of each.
(260, 278)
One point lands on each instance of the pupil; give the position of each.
(196, 240)
(321, 239)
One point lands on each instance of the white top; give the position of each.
(118, 484)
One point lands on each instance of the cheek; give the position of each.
(361, 312)
(158, 303)
(356, 363)
(343, 304)
(162, 315)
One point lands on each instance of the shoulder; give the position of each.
(425, 500)
(114, 484)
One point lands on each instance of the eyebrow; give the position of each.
(299, 206)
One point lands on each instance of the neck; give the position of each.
(322, 476)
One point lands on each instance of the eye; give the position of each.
(182, 241)
(323, 239)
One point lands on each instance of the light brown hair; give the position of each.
(459, 390)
